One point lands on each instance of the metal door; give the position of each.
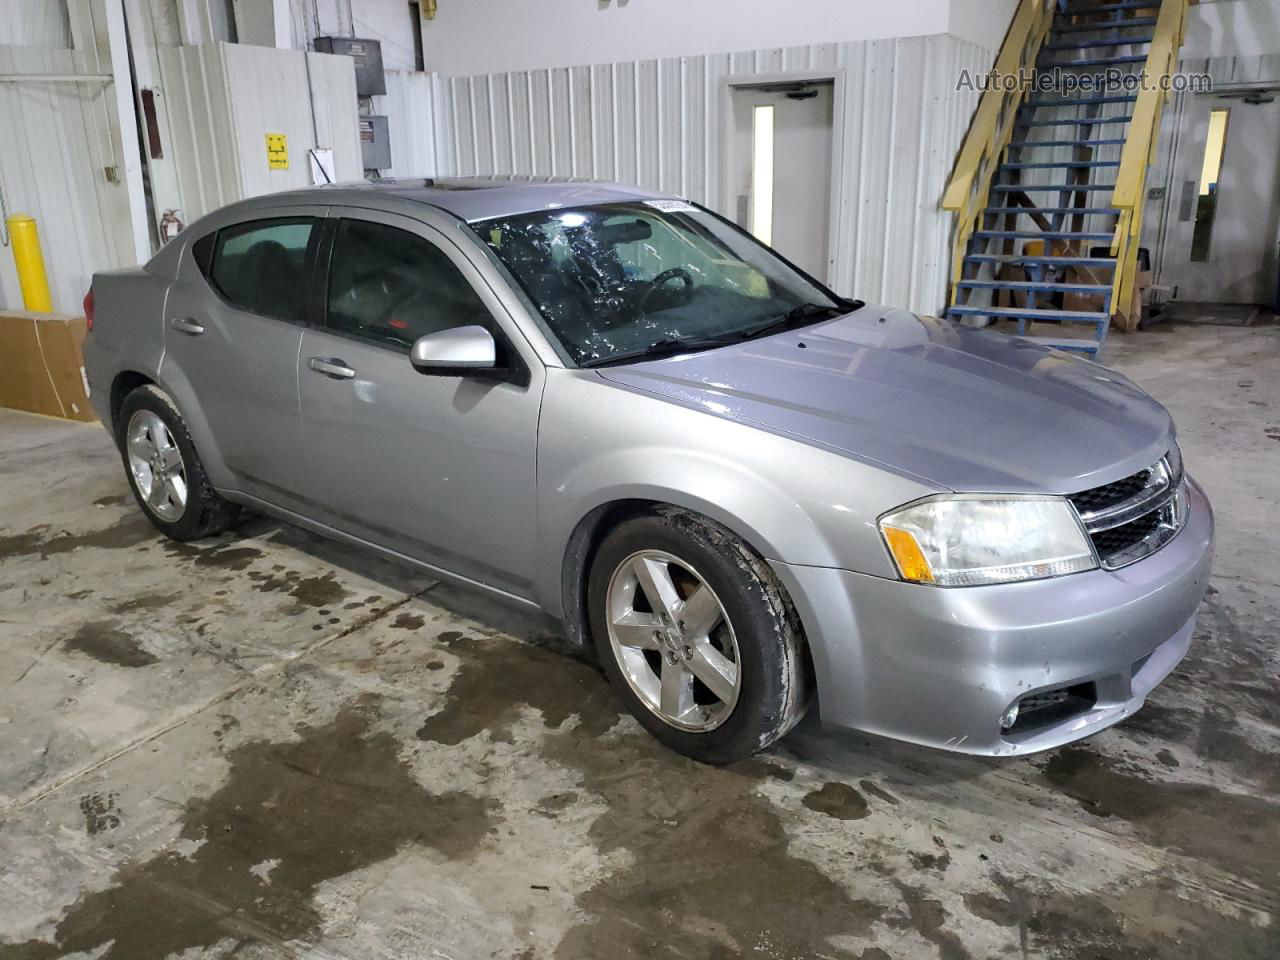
(782, 169)
(1234, 258)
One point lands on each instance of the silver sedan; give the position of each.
(747, 493)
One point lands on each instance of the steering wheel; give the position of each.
(666, 276)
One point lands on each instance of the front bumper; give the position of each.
(939, 666)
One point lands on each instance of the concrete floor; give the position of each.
(271, 746)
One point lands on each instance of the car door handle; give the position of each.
(330, 367)
(189, 327)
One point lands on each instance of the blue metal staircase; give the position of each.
(1041, 252)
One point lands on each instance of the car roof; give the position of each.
(483, 198)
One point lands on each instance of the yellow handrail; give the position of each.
(1139, 150)
(969, 188)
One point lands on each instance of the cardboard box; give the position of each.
(1085, 302)
(41, 364)
(1008, 273)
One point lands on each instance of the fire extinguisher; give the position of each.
(170, 225)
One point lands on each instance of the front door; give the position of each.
(1222, 234)
(233, 324)
(438, 468)
(782, 170)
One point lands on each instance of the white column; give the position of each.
(122, 89)
(282, 16)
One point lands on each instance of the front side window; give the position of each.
(615, 282)
(260, 266)
(391, 287)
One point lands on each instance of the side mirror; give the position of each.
(455, 352)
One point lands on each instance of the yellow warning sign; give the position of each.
(277, 151)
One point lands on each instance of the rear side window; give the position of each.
(391, 287)
(259, 266)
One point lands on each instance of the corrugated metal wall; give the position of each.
(417, 110)
(221, 101)
(58, 158)
(200, 137)
(661, 123)
(331, 88)
(35, 23)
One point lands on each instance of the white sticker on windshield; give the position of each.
(672, 206)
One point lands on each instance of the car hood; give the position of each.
(962, 409)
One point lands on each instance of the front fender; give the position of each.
(601, 443)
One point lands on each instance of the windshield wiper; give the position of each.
(802, 315)
(667, 346)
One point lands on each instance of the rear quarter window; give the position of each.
(202, 251)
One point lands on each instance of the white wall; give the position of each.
(390, 23)
(387, 21)
(57, 146)
(62, 159)
(219, 118)
(493, 36)
(983, 22)
(661, 123)
(1233, 28)
(417, 111)
(35, 23)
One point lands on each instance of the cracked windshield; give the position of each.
(623, 282)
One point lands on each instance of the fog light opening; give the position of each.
(1009, 718)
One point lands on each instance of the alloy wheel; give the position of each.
(156, 464)
(673, 640)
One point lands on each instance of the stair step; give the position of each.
(1032, 144)
(1068, 344)
(1032, 287)
(1104, 25)
(1030, 313)
(1088, 10)
(1096, 62)
(1021, 260)
(1086, 211)
(1061, 187)
(1041, 235)
(1105, 42)
(1086, 122)
(1059, 164)
(1078, 101)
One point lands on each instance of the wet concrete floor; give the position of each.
(274, 746)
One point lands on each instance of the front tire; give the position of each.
(164, 470)
(695, 634)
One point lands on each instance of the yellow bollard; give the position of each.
(30, 263)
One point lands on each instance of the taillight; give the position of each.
(88, 308)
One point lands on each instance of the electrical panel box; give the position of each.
(375, 143)
(370, 80)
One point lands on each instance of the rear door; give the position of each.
(439, 468)
(233, 326)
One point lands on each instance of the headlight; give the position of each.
(964, 541)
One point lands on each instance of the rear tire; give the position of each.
(717, 695)
(165, 472)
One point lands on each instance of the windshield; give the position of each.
(618, 282)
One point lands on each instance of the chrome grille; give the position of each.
(1110, 494)
(1132, 518)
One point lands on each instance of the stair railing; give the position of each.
(1139, 151)
(969, 189)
